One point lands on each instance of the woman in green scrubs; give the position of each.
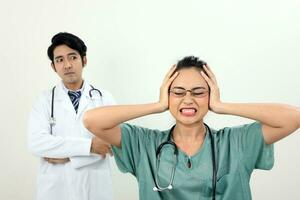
(189, 91)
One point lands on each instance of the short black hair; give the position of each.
(72, 41)
(189, 62)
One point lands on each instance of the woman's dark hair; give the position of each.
(72, 41)
(189, 62)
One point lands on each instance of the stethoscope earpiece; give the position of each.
(52, 118)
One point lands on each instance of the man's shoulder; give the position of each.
(46, 93)
(94, 89)
(90, 86)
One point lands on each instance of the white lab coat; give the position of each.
(86, 176)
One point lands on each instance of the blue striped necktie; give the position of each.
(75, 97)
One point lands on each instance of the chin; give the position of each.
(71, 81)
(188, 122)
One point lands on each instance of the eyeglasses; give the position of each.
(198, 92)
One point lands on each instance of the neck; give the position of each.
(189, 133)
(74, 86)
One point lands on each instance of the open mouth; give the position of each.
(188, 111)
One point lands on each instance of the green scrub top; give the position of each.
(239, 150)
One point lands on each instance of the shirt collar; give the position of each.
(66, 89)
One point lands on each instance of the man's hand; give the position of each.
(100, 147)
(57, 160)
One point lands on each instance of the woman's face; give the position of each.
(189, 107)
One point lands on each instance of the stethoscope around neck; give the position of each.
(52, 120)
(160, 188)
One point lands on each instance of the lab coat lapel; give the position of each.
(85, 99)
(63, 98)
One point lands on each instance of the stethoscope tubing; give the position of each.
(52, 119)
(158, 188)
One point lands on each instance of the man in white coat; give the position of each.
(73, 163)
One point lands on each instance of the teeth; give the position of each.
(188, 110)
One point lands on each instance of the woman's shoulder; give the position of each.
(241, 127)
(142, 131)
(238, 130)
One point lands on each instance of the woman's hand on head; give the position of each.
(214, 98)
(164, 88)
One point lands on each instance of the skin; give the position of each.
(189, 111)
(188, 79)
(278, 120)
(69, 66)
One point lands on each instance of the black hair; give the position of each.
(72, 41)
(189, 62)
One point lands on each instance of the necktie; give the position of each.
(75, 97)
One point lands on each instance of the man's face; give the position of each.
(67, 63)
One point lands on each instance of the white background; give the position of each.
(252, 46)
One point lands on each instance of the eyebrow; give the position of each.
(69, 54)
(195, 88)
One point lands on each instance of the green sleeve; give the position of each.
(254, 152)
(133, 141)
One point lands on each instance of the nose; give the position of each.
(67, 64)
(188, 98)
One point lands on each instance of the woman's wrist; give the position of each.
(160, 107)
(218, 108)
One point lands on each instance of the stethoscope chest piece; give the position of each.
(169, 142)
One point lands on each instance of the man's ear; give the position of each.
(84, 61)
(53, 67)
